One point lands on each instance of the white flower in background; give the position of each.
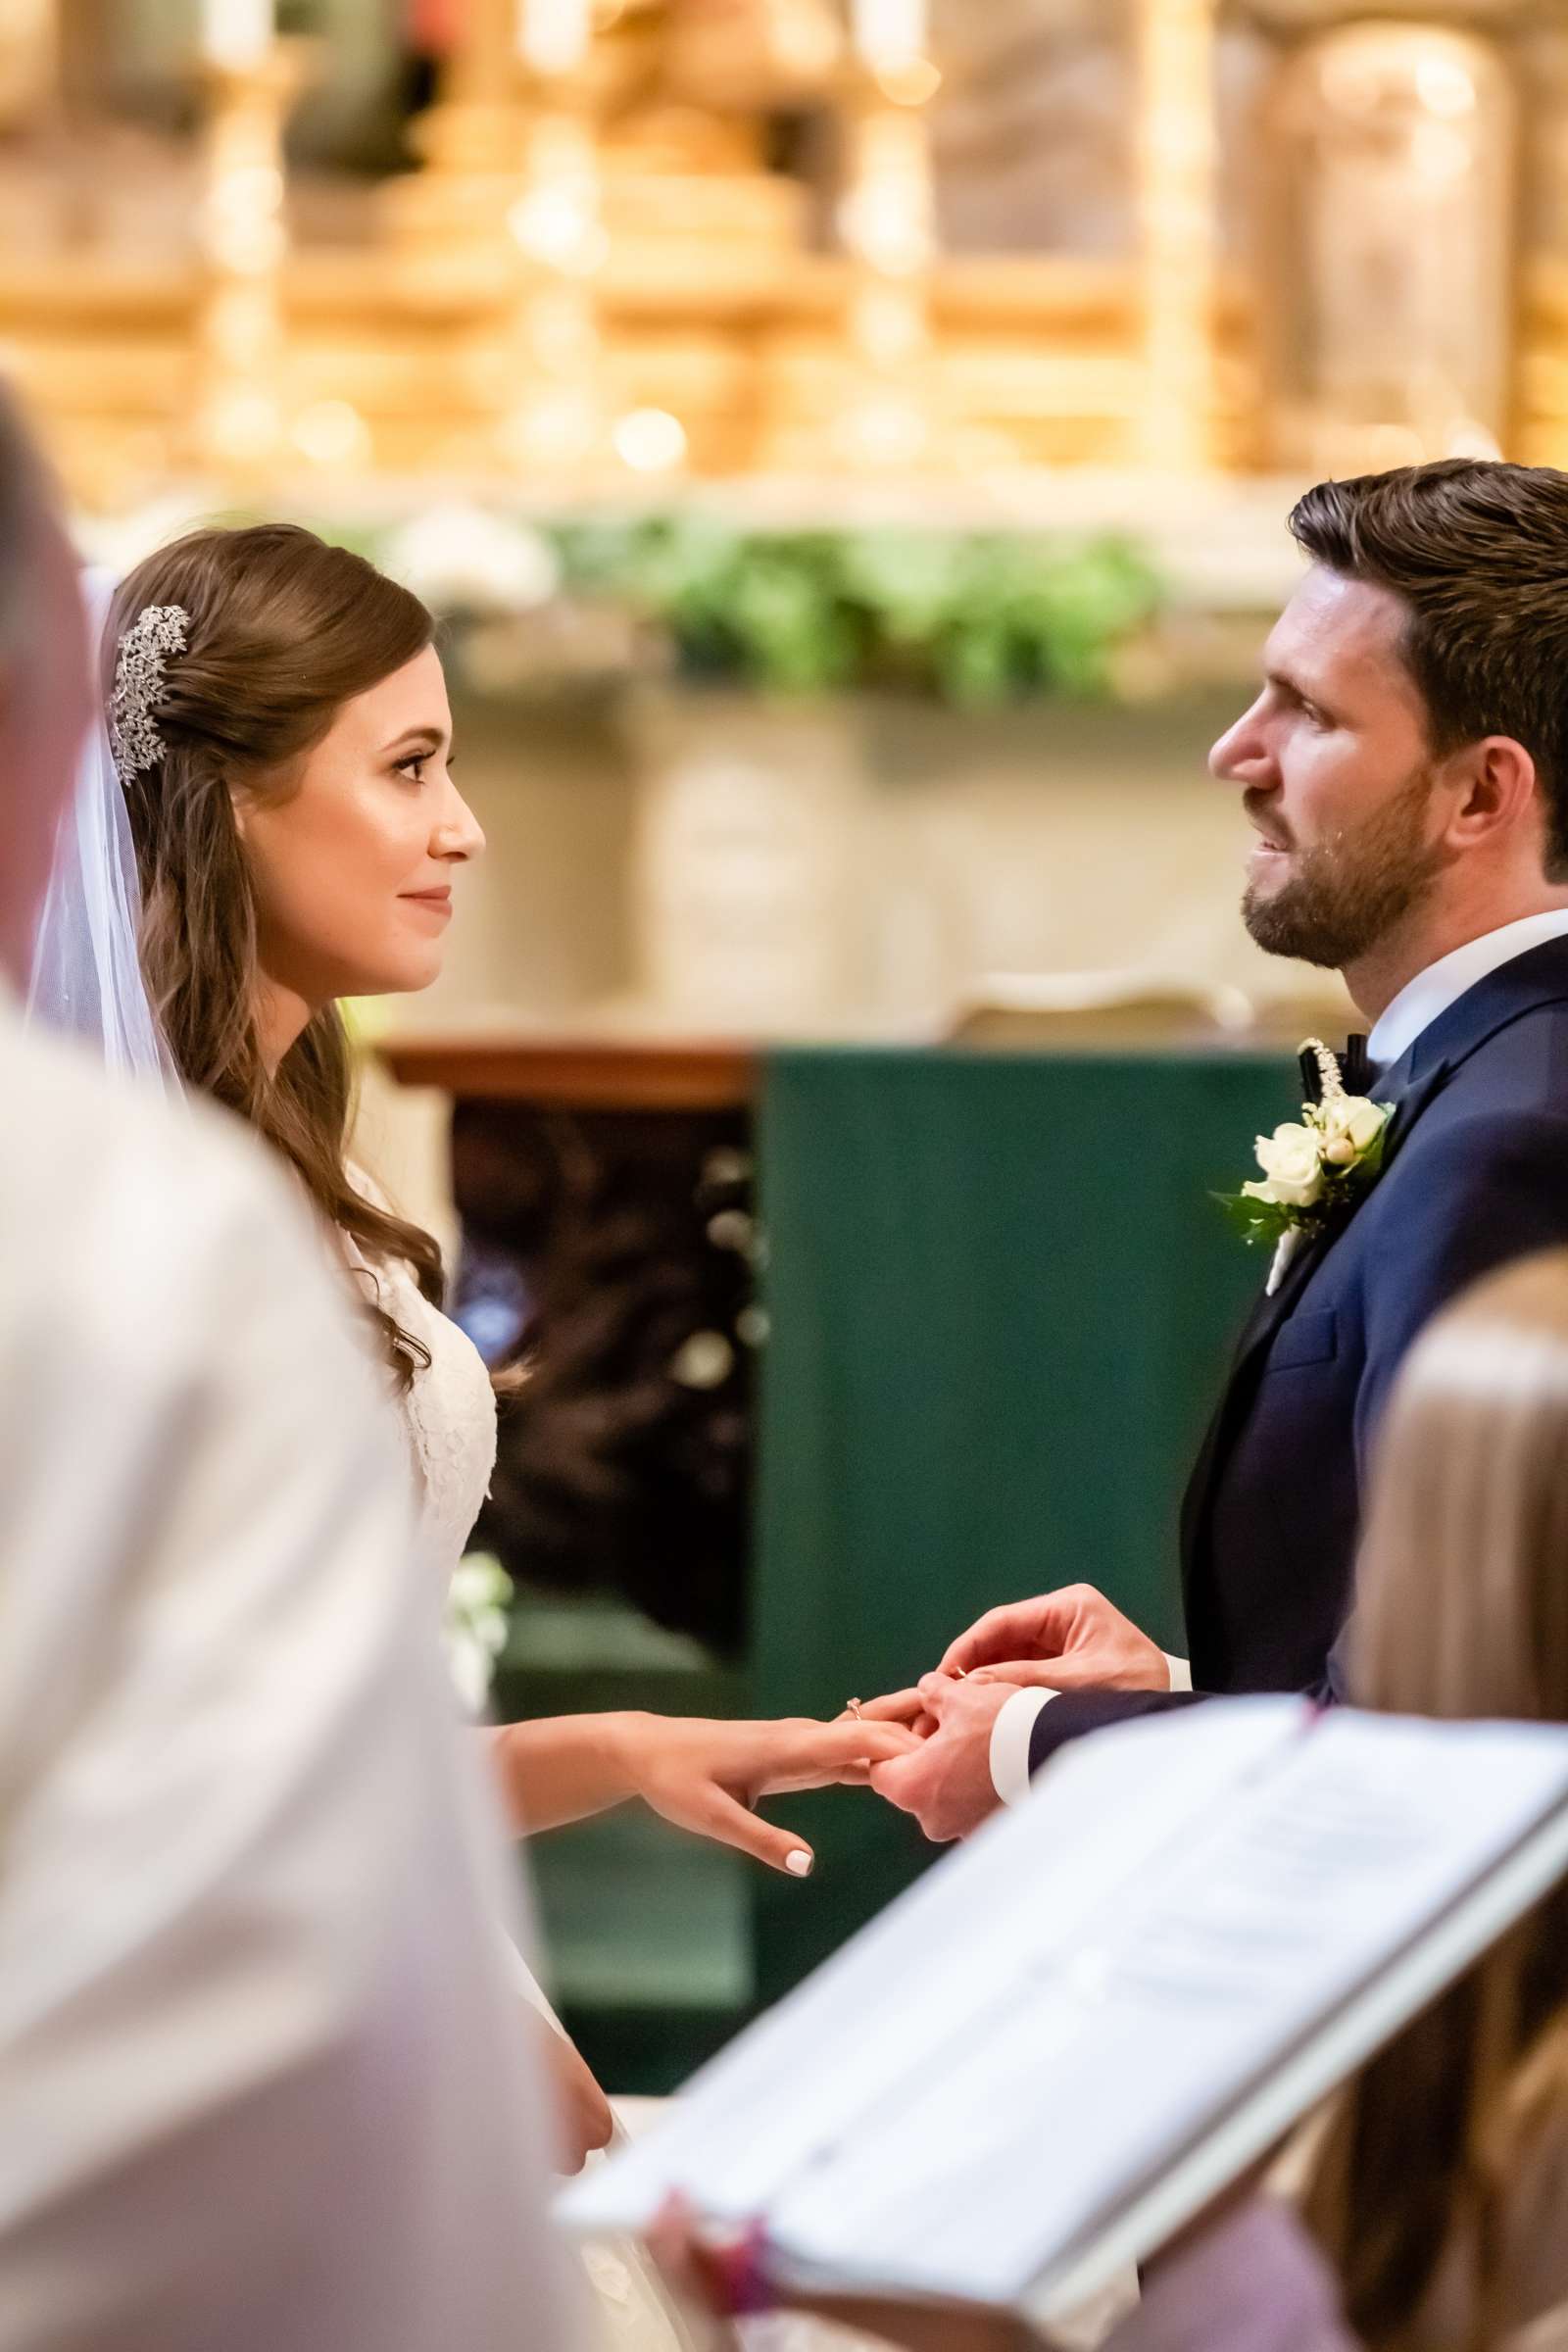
(705, 1361)
(466, 556)
(1291, 1162)
(474, 1626)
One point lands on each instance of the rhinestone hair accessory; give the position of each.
(139, 663)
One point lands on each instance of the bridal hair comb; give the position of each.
(139, 659)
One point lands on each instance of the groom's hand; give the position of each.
(945, 1782)
(1073, 1639)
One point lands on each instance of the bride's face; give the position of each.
(353, 864)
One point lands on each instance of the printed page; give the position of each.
(908, 1992)
(1053, 2014)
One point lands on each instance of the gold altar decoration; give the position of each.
(1392, 220)
(1178, 280)
(552, 421)
(594, 279)
(886, 415)
(238, 421)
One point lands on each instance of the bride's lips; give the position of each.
(434, 901)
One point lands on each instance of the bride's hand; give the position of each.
(896, 1706)
(706, 1776)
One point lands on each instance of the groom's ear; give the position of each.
(1495, 789)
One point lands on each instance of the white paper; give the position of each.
(987, 2073)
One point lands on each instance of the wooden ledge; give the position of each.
(581, 1073)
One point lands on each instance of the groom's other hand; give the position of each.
(946, 1782)
(1074, 1640)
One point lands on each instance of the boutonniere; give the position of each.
(1313, 1168)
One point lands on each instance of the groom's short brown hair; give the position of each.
(1478, 553)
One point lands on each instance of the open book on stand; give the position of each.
(1080, 2027)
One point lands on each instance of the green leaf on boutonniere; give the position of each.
(1261, 1224)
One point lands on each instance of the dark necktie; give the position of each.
(1355, 1071)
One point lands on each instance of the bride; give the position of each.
(280, 740)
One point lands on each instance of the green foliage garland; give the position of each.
(974, 618)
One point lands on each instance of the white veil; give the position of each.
(85, 974)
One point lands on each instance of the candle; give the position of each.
(553, 35)
(236, 33)
(890, 34)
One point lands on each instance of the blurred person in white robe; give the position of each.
(261, 2075)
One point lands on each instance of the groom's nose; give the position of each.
(1243, 755)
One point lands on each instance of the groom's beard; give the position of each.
(1347, 892)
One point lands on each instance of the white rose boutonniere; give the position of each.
(1314, 1168)
(1293, 1163)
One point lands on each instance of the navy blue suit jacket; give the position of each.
(1476, 1173)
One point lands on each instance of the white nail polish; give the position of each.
(800, 1862)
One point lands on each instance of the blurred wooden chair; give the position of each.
(1085, 1010)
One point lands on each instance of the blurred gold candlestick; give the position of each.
(554, 422)
(887, 222)
(239, 418)
(1176, 177)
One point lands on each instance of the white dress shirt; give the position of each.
(260, 2069)
(1016, 1721)
(1431, 993)
(1416, 1006)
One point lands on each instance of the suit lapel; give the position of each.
(1515, 988)
(1268, 1313)
(1409, 1095)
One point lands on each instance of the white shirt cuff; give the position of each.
(1009, 1744)
(1013, 1728)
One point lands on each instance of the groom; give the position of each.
(1405, 768)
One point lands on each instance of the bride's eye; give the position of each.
(414, 766)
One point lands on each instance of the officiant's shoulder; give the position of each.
(158, 1230)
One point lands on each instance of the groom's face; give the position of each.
(1337, 775)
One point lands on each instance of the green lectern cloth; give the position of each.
(1001, 1302)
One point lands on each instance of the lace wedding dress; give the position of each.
(449, 1423)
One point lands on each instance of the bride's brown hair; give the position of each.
(283, 630)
